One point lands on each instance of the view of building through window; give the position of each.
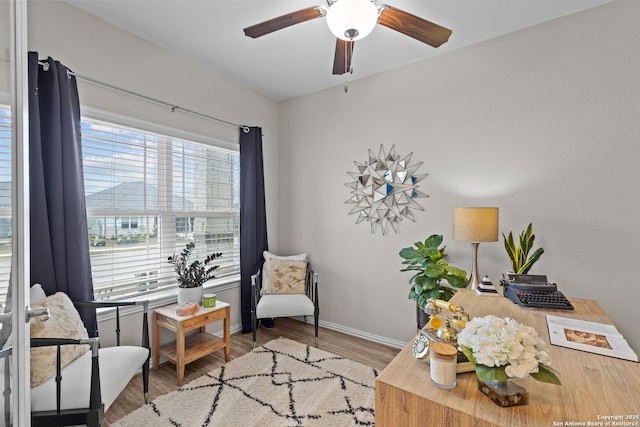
(147, 195)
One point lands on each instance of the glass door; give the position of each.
(6, 215)
(14, 231)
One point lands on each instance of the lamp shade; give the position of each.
(475, 224)
(352, 19)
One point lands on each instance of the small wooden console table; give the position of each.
(188, 348)
(594, 389)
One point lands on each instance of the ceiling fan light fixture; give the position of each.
(352, 19)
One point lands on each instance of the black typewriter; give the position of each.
(533, 290)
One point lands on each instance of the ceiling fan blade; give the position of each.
(343, 55)
(413, 26)
(285, 21)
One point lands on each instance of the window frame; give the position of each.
(165, 296)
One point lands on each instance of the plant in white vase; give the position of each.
(192, 275)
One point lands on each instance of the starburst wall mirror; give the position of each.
(384, 190)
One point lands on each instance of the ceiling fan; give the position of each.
(351, 20)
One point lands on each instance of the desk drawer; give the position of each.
(203, 319)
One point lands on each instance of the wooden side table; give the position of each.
(188, 348)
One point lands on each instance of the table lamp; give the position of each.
(475, 225)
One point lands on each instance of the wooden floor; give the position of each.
(163, 380)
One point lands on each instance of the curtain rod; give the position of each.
(173, 107)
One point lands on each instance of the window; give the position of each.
(128, 222)
(148, 195)
(5, 201)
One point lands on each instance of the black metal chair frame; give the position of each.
(94, 415)
(310, 288)
(91, 416)
(6, 393)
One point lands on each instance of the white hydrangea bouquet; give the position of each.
(501, 349)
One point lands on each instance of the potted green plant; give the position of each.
(426, 260)
(192, 275)
(521, 262)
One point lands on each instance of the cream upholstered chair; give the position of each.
(89, 384)
(284, 287)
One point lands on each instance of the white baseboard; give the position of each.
(335, 327)
(232, 330)
(356, 333)
(361, 334)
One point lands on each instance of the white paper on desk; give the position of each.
(593, 337)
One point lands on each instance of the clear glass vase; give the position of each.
(504, 393)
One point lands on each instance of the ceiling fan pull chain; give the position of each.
(348, 68)
(346, 54)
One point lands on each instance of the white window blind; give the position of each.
(5, 201)
(147, 196)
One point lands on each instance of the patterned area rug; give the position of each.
(283, 383)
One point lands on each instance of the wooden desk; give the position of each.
(593, 386)
(188, 348)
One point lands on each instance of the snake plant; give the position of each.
(521, 262)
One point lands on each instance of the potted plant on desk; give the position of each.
(192, 275)
(519, 256)
(426, 259)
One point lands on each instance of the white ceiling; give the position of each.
(298, 60)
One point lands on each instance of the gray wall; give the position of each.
(541, 123)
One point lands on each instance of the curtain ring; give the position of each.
(246, 129)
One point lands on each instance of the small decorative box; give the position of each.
(209, 300)
(186, 308)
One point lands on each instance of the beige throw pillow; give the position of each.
(284, 276)
(268, 255)
(64, 322)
